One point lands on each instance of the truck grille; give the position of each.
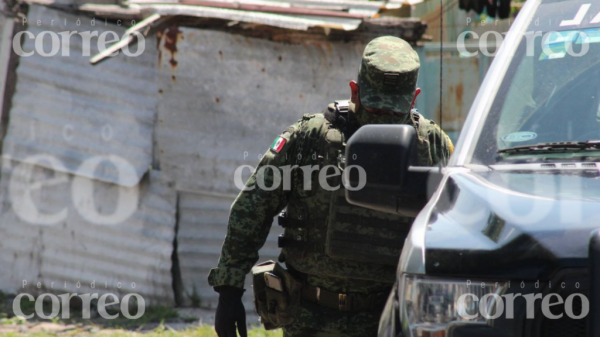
(565, 326)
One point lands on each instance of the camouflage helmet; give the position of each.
(388, 74)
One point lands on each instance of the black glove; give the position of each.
(230, 312)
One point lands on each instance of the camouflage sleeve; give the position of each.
(441, 145)
(252, 213)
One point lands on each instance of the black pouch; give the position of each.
(275, 308)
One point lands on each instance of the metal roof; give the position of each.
(367, 8)
(74, 249)
(65, 108)
(276, 20)
(291, 14)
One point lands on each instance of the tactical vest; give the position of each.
(324, 234)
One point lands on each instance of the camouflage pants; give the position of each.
(313, 320)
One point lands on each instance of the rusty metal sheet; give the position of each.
(73, 247)
(296, 22)
(461, 80)
(6, 33)
(224, 98)
(73, 111)
(230, 10)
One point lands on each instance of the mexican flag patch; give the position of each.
(278, 144)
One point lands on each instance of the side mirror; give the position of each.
(379, 171)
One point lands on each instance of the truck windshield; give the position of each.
(551, 91)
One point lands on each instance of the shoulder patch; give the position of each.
(278, 144)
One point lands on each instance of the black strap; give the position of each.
(300, 218)
(395, 224)
(300, 242)
(290, 242)
(334, 117)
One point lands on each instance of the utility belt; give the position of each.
(278, 292)
(345, 302)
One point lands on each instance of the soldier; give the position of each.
(344, 256)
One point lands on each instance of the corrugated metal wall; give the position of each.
(225, 95)
(6, 33)
(73, 111)
(462, 77)
(456, 20)
(75, 249)
(202, 227)
(3, 36)
(67, 110)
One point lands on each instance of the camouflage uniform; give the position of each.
(328, 233)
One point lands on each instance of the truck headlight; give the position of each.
(429, 306)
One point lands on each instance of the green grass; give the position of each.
(152, 314)
(120, 327)
(12, 321)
